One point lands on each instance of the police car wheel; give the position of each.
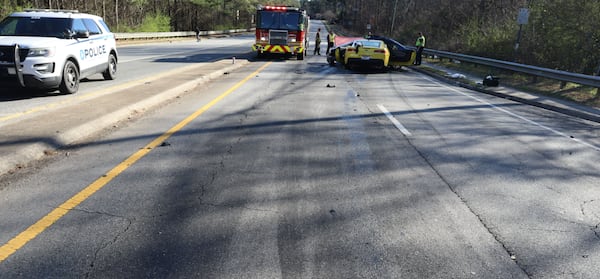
(70, 79)
(111, 71)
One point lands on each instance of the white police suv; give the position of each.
(52, 49)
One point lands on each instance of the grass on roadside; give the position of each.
(569, 91)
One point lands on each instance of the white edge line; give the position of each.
(394, 120)
(518, 116)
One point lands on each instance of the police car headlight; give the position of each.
(41, 52)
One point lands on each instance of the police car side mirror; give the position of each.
(68, 33)
(82, 34)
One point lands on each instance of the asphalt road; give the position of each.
(294, 169)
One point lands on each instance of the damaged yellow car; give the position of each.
(361, 54)
(373, 52)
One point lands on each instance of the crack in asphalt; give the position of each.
(213, 177)
(452, 188)
(596, 228)
(108, 243)
(229, 151)
(596, 231)
(582, 208)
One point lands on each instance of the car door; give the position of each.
(83, 46)
(99, 51)
(398, 52)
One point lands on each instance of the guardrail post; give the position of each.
(597, 73)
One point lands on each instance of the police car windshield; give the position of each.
(36, 27)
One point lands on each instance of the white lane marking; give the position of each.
(517, 116)
(394, 120)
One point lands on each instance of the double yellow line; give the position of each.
(45, 222)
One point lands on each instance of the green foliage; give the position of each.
(293, 3)
(493, 41)
(9, 7)
(561, 34)
(138, 3)
(155, 23)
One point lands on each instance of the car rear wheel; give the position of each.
(70, 79)
(331, 60)
(111, 72)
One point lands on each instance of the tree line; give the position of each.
(155, 15)
(558, 34)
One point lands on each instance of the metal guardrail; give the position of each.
(593, 81)
(158, 35)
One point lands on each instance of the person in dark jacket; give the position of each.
(317, 43)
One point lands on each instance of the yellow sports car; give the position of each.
(389, 55)
(361, 53)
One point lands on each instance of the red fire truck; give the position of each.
(281, 29)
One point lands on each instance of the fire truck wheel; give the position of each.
(300, 56)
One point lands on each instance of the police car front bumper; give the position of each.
(10, 77)
(33, 72)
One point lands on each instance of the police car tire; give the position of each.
(111, 70)
(70, 79)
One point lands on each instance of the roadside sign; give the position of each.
(523, 16)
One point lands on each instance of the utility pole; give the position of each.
(117, 13)
(393, 18)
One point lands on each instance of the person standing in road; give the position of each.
(197, 33)
(330, 41)
(318, 43)
(420, 44)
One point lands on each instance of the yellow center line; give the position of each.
(45, 222)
